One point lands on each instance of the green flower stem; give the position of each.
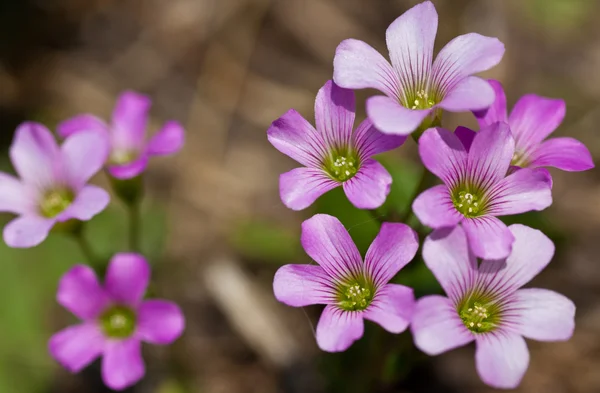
(84, 245)
(134, 226)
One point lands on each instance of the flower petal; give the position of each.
(81, 123)
(130, 170)
(369, 141)
(129, 121)
(394, 247)
(434, 208)
(327, 242)
(300, 187)
(533, 118)
(357, 65)
(490, 155)
(444, 155)
(410, 40)
(303, 285)
(35, 155)
(567, 154)
(168, 140)
(122, 364)
(392, 308)
(488, 237)
(392, 118)
(436, 326)
(466, 136)
(465, 55)
(292, 135)
(542, 314)
(80, 292)
(338, 329)
(127, 278)
(77, 346)
(84, 154)
(522, 191)
(27, 231)
(501, 359)
(334, 115)
(446, 253)
(531, 253)
(471, 93)
(14, 196)
(369, 187)
(159, 321)
(497, 111)
(90, 201)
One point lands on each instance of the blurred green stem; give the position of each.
(134, 226)
(82, 242)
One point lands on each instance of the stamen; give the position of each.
(55, 202)
(422, 100)
(118, 322)
(343, 167)
(467, 203)
(355, 296)
(478, 317)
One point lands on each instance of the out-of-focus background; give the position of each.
(214, 227)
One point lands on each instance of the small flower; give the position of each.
(52, 185)
(129, 151)
(532, 119)
(332, 154)
(476, 187)
(414, 85)
(115, 320)
(352, 290)
(485, 304)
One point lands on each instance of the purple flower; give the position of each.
(485, 304)
(476, 187)
(350, 289)
(115, 320)
(532, 120)
(129, 152)
(52, 186)
(332, 154)
(414, 85)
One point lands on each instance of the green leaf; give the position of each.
(266, 242)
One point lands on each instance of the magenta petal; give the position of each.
(168, 140)
(14, 196)
(533, 118)
(392, 308)
(300, 187)
(127, 278)
(81, 123)
(394, 247)
(80, 292)
(83, 155)
(90, 201)
(27, 231)
(129, 121)
(542, 314)
(497, 111)
(466, 136)
(35, 155)
(77, 346)
(159, 321)
(490, 154)
(567, 154)
(434, 208)
(338, 329)
(357, 65)
(502, 359)
(303, 285)
(369, 141)
(131, 170)
(334, 115)
(392, 118)
(369, 187)
(436, 326)
(471, 93)
(489, 237)
(122, 364)
(326, 241)
(443, 154)
(522, 191)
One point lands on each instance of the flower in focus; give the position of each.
(476, 189)
(485, 304)
(350, 289)
(332, 154)
(129, 150)
(52, 182)
(532, 119)
(414, 85)
(115, 320)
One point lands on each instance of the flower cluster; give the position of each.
(480, 262)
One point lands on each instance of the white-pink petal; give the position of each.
(501, 359)
(338, 329)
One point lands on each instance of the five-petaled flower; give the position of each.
(485, 304)
(129, 150)
(352, 290)
(332, 154)
(115, 320)
(52, 186)
(532, 120)
(476, 189)
(415, 87)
